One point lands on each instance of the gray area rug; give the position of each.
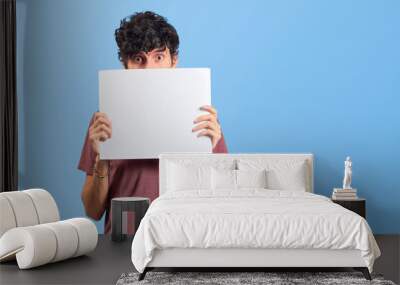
(232, 278)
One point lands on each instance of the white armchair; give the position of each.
(31, 231)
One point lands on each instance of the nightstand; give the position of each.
(356, 205)
(121, 209)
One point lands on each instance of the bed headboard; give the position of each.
(215, 158)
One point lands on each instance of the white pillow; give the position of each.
(236, 179)
(289, 179)
(281, 174)
(223, 179)
(188, 177)
(251, 178)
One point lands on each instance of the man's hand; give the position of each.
(95, 190)
(100, 130)
(210, 125)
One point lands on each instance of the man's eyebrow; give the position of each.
(140, 53)
(160, 49)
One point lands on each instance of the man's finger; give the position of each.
(208, 133)
(213, 136)
(103, 128)
(209, 108)
(201, 126)
(101, 136)
(99, 115)
(102, 120)
(205, 118)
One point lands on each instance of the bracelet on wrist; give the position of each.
(96, 173)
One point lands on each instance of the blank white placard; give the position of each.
(152, 111)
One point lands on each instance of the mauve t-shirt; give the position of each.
(128, 177)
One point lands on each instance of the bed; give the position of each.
(247, 210)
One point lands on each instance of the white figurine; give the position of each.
(347, 173)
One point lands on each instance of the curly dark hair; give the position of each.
(145, 31)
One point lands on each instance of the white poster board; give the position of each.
(152, 111)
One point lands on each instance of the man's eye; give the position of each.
(160, 57)
(137, 59)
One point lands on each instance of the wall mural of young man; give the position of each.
(145, 40)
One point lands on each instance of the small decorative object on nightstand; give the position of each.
(126, 214)
(347, 173)
(344, 194)
(347, 192)
(356, 205)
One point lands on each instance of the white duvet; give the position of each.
(252, 218)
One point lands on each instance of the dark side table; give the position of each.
(357, 205)
(122, 208)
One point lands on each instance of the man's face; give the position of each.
(156, 58)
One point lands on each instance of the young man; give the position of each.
(145, 40)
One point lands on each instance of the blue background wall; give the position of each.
(287, 76)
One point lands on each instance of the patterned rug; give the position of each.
(232, 278)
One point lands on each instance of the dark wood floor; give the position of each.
(110, 260)
(389, 262)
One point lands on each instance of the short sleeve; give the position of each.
(88, 156)
(221, 145)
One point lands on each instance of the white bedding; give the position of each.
(250, 218)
